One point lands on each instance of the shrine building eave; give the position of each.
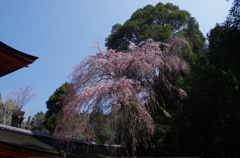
(12, 59)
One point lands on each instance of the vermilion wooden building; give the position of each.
(12, 59)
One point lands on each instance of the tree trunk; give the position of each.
(17, 118)
(174, 128)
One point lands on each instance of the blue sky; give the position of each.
(61, 32)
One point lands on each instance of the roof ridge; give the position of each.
(27, 57)
(32, 133)
(23, 131)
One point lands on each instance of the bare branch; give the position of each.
(22, 96)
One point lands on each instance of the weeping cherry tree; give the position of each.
(127, 86)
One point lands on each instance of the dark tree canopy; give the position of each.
(37, 123)
(160, 22)
(224, 42)
(235, 10)
(224, 47)
(54, 106)
(211, 112)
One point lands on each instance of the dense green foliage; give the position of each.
(224, 45)
(101, 126)
(212, 113)
(54, 106)
(160, 22)
(37, 123)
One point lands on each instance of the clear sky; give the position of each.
(60, 33)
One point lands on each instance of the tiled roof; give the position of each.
(39, 142)
(23, 131)
(37, 134)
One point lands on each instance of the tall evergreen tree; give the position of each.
(212, 114)
(160, 22)
(54, 106)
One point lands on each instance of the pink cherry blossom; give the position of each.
(124, 84)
